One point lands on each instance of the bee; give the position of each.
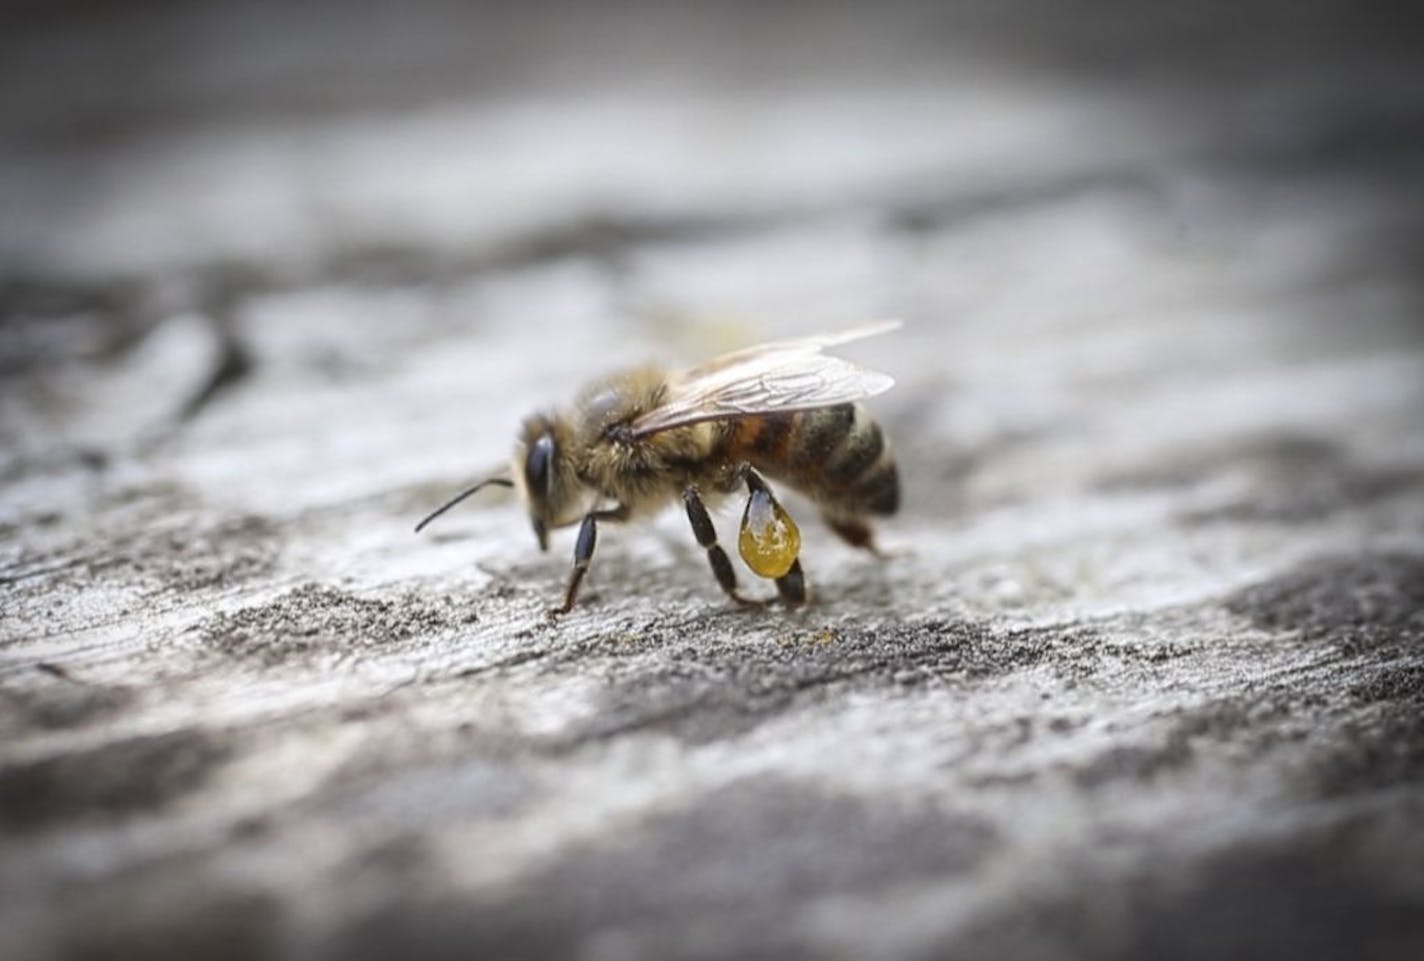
(637, 441)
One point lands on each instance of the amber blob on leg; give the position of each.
(769, 541)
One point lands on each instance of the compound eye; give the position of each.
(536, 465)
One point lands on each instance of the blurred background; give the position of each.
(275, 278)
(516, 195)
(333, 187)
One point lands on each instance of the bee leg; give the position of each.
(706, 536)
(583, 553)
(791, 586)
(854, 531)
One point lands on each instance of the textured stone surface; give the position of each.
(1144, 678)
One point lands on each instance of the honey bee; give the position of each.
(636, 441)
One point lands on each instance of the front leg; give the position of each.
(583, 553)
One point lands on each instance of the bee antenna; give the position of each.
(499, 481)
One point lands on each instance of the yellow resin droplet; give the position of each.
(769, 540)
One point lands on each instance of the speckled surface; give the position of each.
(1143, 678)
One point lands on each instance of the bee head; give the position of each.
(544, 472)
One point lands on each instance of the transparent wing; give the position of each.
(784, 375)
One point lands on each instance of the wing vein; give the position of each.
(781, 376)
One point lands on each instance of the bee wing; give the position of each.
(812, 344)
(784, 375)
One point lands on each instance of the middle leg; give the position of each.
(706, 536)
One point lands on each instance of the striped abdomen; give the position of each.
(836, 455)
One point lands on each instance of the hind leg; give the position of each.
(855, 531)
(769, 541)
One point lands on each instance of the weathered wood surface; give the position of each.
(1145, 679)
